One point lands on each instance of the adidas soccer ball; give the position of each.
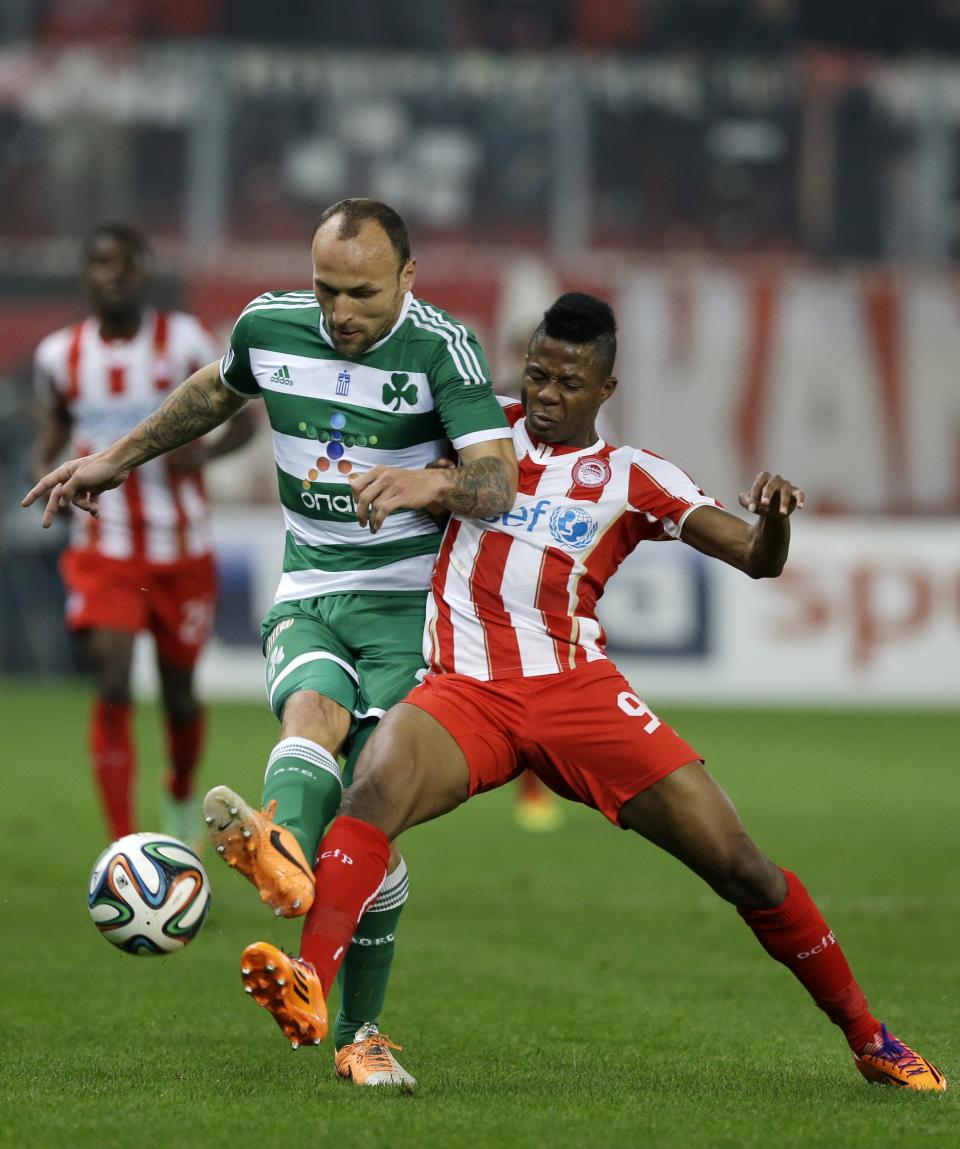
(149, 894)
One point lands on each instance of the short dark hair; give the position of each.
(355, 212)
(123, 233)
(579, 318)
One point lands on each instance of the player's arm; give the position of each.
(236, 433)
(53, 435)
(485, 483)
(759, 550)
(201, 347)
(198, 405)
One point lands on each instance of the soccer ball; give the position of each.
(149, 894)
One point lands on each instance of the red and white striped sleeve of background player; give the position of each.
(515, 595)
(108, 386)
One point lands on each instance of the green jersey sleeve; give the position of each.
(462, 390)
(235, 370)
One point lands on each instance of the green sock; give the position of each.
(365, 971)
(305, 781)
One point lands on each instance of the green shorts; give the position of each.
(364, 651)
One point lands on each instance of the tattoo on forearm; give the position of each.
(186, 415)
(481, 487)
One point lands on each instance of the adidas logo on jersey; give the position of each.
(282, 375)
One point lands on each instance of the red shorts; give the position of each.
(175, 601)
(584, 732)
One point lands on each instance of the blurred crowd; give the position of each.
(665, 154)
(879, 26)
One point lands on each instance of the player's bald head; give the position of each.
(348, 216)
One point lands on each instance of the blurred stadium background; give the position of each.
(768, 191)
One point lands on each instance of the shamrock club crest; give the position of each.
(399, 390)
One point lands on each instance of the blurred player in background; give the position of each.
(144, 563)
(518, 678)
(361, 379)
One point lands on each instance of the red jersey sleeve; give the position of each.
(511, 408)
(663, 492)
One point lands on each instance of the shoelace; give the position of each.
(902, 1056)
(375, 1051)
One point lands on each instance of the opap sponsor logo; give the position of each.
(324, 501)
(336, 440)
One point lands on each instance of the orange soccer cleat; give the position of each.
(289, 988)
(888, 1061)
(368, 1060)
(267, 855)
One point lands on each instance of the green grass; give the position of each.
(555, 990)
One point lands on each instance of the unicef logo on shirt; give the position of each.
(573, 526)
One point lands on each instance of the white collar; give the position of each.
(545, 453)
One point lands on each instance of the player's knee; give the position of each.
(114, 691)
(307, 714)
(372, 795)
(746, 877)
(181, 707)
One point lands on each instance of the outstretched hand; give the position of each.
(772, 496)
(383, 489)
(78, 481)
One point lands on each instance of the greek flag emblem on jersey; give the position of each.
(343, 382)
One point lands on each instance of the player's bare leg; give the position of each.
(412, 771)
(688, 815)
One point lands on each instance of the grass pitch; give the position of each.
(570, 989)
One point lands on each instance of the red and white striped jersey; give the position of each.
(107, 387)
(515, 595)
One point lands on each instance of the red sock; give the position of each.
(532, 789)
(114, 763)
(795, 934)
(352, 863)
(184, 743)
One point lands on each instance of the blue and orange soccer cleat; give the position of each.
(888, 1061)
(267, 855)
(289, 988)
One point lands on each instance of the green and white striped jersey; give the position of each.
(424, 383)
